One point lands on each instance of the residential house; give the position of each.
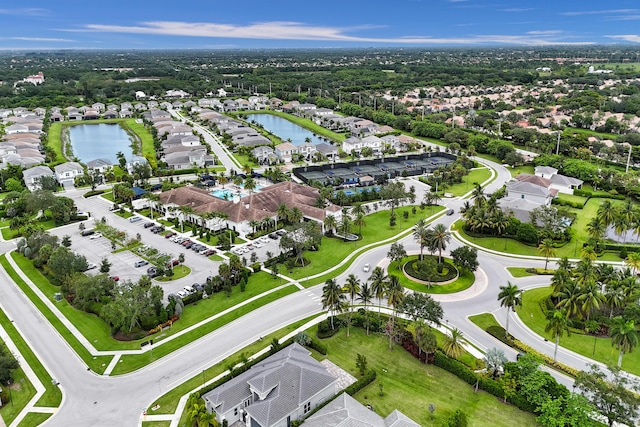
(530, 191)
(264, 155)
(306, 150)
(273, 393)
(193, 157)
(564, 184)
(33, 176)
(67, 172)
(100, 165)
(328, 151)
(345, 411)
(135, 160)
(285, 151)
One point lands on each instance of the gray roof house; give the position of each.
(345, 411)
(264, 154)
(66, 172)
(530, 191)
(280, 389)
(33, 175)
(99, 164)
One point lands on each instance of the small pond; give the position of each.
(99, 141)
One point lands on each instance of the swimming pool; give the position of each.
(226, 194)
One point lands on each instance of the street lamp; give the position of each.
(558, 144)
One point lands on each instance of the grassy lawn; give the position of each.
(169, 401)
(216, 258)
(475, 176)
(124, 214)
(519, 272)
(178, 273)
(243, 159)
(531, 314)
(333, 250)
(521, 169)
(97, 364)
(34, 419)
(156, 424)
(108, 196)
(145, 138)
(55, 142)
(52, 396)
(409, 385)
(21, 392)
(484, 320)
(465, 280)
(130, 363)
(571, 198)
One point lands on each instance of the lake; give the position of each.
(100, 141)
(285, 129)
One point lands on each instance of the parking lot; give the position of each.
(260, 247)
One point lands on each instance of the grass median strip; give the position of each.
(130, 363)
(52, 396)
(97, 364)
(34, 419)
(21, 392)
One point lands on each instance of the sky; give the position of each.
(217, 24)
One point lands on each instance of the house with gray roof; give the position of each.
(66, 172)
(564, 184)
(345, 411)
(264, 154)
(282, 388)
(33, 176)
(99, 165)
(531, 192)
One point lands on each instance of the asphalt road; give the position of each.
(90, 399)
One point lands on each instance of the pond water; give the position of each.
(285, 129)
(99, 141)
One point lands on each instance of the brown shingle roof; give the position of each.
(533, 179)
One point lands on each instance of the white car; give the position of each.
(264, 239)
(367, 267)
(257, 244)
(95, 236)
(182, 294)
(91, 266)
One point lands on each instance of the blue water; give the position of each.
(99, 141)
(284, 129)
(226, 194)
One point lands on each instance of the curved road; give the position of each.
(91, 399)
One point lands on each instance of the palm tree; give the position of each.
(184, 212)
(352, 288)
(441, 237)
(222, 179)
(365, 296)
(568, 298)
(295, 215)
(250, 184)
(557, 323)
(330, 223)
(590, 298)
(359, 222)
(332, 298)
(547, 250)
(395, 295)
(623, 336)
(614, 298)
(606, 213)
(282, 213)
(452, 345)
(510, 297)
(378, 285)
(421, 235)
(633, 261)
(596, 229)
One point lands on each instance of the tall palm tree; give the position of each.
(596, 228)
(185, 211)
(452, 344)
(606, 213)
(332, 298)
(360, 222)
(365, 296)
(510, 297)
(295, 215)
(633, 261)
(395, 295)
(378, 285)
(624, 337)
(250, 184)
(442, 237)
(557, 324)
(614, 298)
(568, 298)
(330, 223)
(559, 280)
(222, 179)
(547, 250)
(351, 288)
(421, 235)
(590, 298)
(282, 214)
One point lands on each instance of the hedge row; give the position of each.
(598, 194)
(569, 203)
(317, 346)
(367, 379)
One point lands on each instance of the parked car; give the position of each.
(186, 242)
(148, 224)
(169, 234)
(209, 252)
(114, 278)
(188, 245)
(140, 263)
(86, 233)
(172, 296)
(189, 289)
(281, 232)
(198, 287)
(173, 263)
(95, 236)
(273, 236)
(135, 219)
(450, 212)
(91, 266)
(182, 293)
(152, 272)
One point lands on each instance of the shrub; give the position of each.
(317, 346)
(457, 419)
(366, 379)
(324, 328)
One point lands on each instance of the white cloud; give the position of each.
(39, 39)
(28, 11)
(301, 31)
(599, 12)
(544, 33)
(626, 37)
(623, 18)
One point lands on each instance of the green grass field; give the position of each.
(178, 273)
(34, 419)
(156, 424)
(21, 392)
(521, 169)
(519, 272)
(476, 176)
(410, 386)
(531, 314)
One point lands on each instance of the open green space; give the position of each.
(108, 196)
(475, 176)
(21, 392)
(244, 159)
(156, 423)
(532, 315)
(521, 169)
(519, 272)
(409, 385)
(99, 363)
(45, 222)
(169, 401)
(145, 138)
(34, 419)
(334, 250)
(52, 395)
(484, 320)
(130, 363)
(178, 273)
(572, 198)
(464, 281)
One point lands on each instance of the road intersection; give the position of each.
(98, 400)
